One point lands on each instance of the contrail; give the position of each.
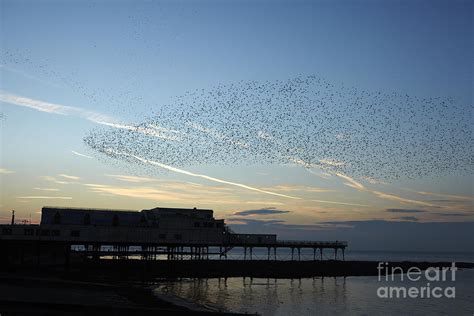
(81, 155)
(177, 170)
(98, 118)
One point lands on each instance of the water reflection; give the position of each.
(329, 295)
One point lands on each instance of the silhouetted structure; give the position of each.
(174, 233)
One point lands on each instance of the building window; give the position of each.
(75, 233)
(197, 224)
(6, 231)
(45, 232)
(115, 220)
(55, 232)
(87, 219)
(178, 237)
(28, 232)
(57, 218)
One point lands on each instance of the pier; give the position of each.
(68, 235)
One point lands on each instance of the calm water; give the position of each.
(337, 296)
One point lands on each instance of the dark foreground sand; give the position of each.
(54, 296)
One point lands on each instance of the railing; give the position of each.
(312, 242)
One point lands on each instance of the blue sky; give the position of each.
(126, 60)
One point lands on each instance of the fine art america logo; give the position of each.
(429, 283)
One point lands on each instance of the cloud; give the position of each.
(264, 202)
(351, 182)
(397, 198)
(332, 162)
(53, 108)
(147, 130)
(401, 210)
(257, 221)
(263, 211)
(171, 191)
(95, 117)
(294, 188)
(458, 197)
(81, 155)
(5, 171)
(45, 197)
(340, 203)
(391, 197)
(133, 179)
(274, 225)
(452, 214)
(373, 180)
(408, 218)
(47, 189)
(69, 177)
(202, 176)
(217, 135)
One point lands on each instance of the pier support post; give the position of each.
(292, 253)
(321, 253)
(275, 253)
(343, 259)
(299, 254)
(245, 253)
(314, 254)
(268, 253)
(335, 253)
(251, 249)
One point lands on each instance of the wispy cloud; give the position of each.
(278, 224)
(53, 108)
(66, 176)
(147, 130)
(332, 162)
(26, 75)
(400, 199)
(391, 197)
(453, 214)
(98, 118)
(297, 188)
(457, 197)
(351, 182)
(408, 218)
(373, 180)
(264, 203)
(339, 203)
(45, 197)
(133, 179)
(165, 192)
(202, 176)
(47, 189)
(263, 211)
(402, 210)
(5, 171)
(81, 155)
(217, 135)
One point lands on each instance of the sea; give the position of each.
(430, 294)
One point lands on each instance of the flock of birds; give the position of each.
(305, 121)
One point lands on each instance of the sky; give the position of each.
(69, 70)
